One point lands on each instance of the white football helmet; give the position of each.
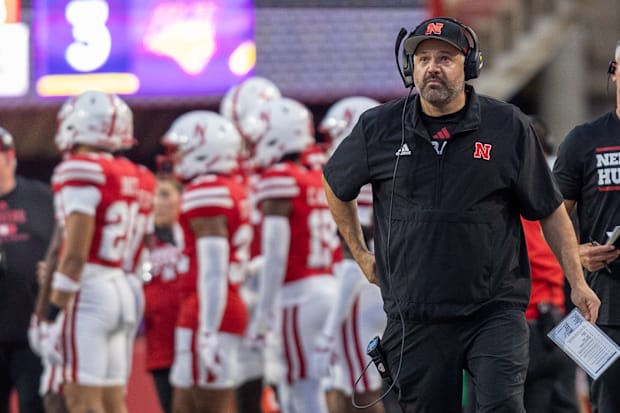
(279, 127)
(204, 142)
(342, 117)
(95, 118)
(242, 99)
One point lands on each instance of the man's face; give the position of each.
(7, 162)
(438, 71)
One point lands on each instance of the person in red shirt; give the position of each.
(548, 387)
(160, 287)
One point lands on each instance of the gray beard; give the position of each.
(440, 96)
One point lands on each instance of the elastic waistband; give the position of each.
(98, 272)
(483, 310)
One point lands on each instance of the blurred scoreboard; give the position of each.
(14, 57)
(142, 47)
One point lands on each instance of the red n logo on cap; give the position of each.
(433, 28)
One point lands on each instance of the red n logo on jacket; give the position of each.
(482, 151)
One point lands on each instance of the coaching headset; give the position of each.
(473, 55)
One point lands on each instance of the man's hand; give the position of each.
(210, 352)
(595, 257)
(586, 301)
(368, 264)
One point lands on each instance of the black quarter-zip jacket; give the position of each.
(448, 240)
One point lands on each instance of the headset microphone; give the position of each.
(611, 70)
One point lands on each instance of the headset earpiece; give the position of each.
(473, 58)
(404, 62)
(408, 69)
(611, 70)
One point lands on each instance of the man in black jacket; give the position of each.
(451, 172)
(588, 174)
(26, 224)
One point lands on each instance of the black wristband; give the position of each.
(52, 312)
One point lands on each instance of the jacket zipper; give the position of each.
(437, 197)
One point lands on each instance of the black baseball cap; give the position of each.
(6, 140)
(438, 28)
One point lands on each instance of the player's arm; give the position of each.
(213, 253)
(275, 245)
(79, 230)
(49, 266)
(79, 205)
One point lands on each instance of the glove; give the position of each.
(34, 335)
(50, 341)
(255, 341)
(256, 336)
(323, 357)
(210, 352)
(255, 266)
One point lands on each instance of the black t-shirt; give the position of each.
(456, 242)
(26, 226)
(441, 128)
(587, 170)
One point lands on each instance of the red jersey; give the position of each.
(162, 304)
(143, 223)
(314, 236)
(117, 186)
(210, 196)
(547, 275)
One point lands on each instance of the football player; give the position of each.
(240, 101)
(215, 220)
(298, 238)
(91, 307)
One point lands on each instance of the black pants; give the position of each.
(164, 388)
(550, 382)
(20, 369)
(492, 347)
(605, 391)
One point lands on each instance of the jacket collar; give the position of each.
(471, 119)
